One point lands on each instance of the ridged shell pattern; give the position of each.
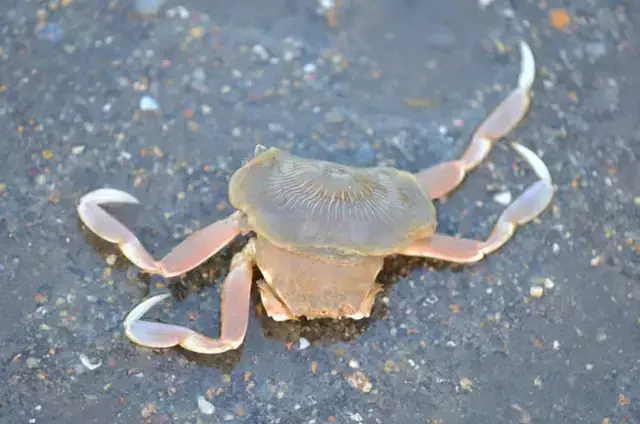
(302, 203)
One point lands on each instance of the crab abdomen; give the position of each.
(323, 285)
(300, 203)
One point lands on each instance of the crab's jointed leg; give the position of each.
(527, 206)
(193, 251)
(234, 315)
(441, 179)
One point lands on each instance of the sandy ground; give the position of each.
(399, 83)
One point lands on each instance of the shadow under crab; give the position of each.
(321, 231)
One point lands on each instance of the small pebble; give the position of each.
(205, 406)
(148, 104)
(432, 299)
(466, 384)
(536, 291)
(180, 11)
(148, 410)
(548, 284)
(303, 343)
(503, 198)
(359, 381)
(309, 68)
(261, 52)
(111, 259)
(354, 364)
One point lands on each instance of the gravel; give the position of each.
(543, 330)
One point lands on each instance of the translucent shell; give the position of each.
(313, 205)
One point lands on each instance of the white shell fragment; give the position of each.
(205, 406)
(303, 343)
(149, 104)
(88, 364)
(548, 284)
(504, 198)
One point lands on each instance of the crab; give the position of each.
(319, 231)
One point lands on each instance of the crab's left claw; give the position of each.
(193, 251)
(236, 293)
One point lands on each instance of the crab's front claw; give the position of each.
(236, 293)
(193, 251)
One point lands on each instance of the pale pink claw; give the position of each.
(441, 179)
(193, 251)
(234, 319)
(527, 206)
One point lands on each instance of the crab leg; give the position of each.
(234, 319)
(441, 179)
(193, 251)
(527, 206)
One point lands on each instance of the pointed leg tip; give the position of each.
(528, 66)
(153, 335)
(534, 161)
(143, 307)
(156, 335)
(108, 195)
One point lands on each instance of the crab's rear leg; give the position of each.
(193, 251)
(527, 206)
(441, 179)
(234, 315)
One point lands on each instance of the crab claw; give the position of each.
(236, 293)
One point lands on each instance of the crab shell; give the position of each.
(323, 230)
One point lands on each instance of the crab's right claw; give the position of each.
(193, 251)
(236, 294)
